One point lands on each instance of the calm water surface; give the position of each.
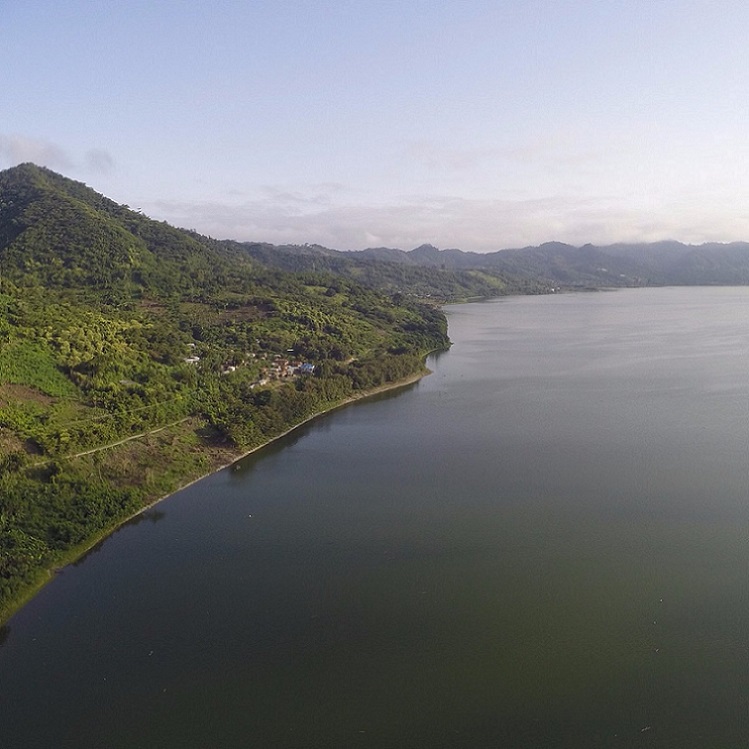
(543, 544)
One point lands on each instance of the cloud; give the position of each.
(17, 149)
(343, 217)
(99, 160)
(446, 221)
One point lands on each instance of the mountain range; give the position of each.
(549, 264)
(63, 232)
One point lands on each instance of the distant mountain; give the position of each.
(63, 233)
(556, 263)
(392, 271)
(454, 274)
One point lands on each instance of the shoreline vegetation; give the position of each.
(230, 456)
(136, 357)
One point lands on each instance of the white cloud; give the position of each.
(476, 225)
(17, 149)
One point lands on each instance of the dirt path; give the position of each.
(113, 444)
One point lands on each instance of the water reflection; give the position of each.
(151, 515)
(318, 424)
(95, 549)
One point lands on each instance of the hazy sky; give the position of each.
(352, 123)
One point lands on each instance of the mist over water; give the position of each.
(542, 544)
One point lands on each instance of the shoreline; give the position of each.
(47, 575)
(410, 380)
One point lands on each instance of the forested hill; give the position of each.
(556, 263)
(58, 233)
(135, 357)
(450, 274)
(61, 233)
(394, 271)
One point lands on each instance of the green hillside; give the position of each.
(187, 352)
(392, 272)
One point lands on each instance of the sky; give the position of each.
(476, 124)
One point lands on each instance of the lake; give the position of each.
(545, 543)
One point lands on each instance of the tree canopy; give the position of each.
(114, 326)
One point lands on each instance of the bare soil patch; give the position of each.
(10, 391)
(9, 442)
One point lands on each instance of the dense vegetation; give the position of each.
(392, 272)
(118, 329)
(451, 274)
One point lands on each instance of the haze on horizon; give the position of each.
(480, 125)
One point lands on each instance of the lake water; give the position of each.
(543, 544)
